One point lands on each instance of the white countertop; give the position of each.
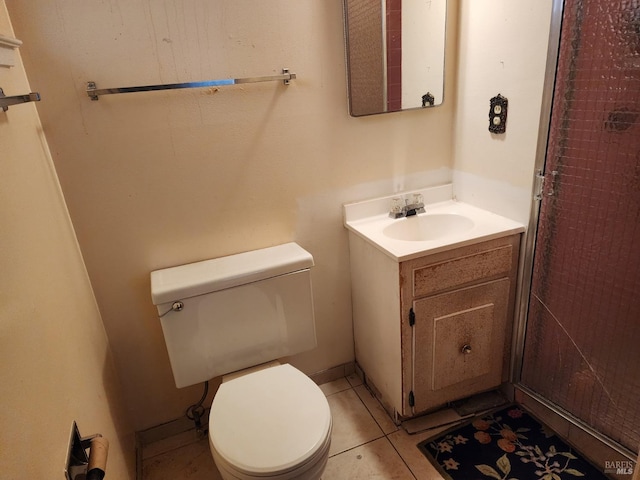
(369, 219)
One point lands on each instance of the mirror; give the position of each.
(395, 54)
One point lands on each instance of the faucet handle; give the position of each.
(397, 208)
(417, 198)
(396, 205)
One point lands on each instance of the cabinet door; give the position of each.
(459, 343)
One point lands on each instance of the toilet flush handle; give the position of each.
(177, 306)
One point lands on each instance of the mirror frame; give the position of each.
(374, 58)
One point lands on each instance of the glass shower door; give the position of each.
(582, 344)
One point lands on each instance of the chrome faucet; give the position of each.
(400, 206)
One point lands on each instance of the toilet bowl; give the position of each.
(273, 423)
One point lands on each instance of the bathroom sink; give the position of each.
(446, 224)
(426, 227)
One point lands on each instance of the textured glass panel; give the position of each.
(582, 348)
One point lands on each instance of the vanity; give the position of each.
(433, 298)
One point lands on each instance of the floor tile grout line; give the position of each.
(384, 435)
(400, 455)
(338, 391)
(359, 445)
(352, 385)
(387, 435)
(374, 417)
(335, 393)
(169, 450)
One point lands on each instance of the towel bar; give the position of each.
(6, 102)
(94, 93)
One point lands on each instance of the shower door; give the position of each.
(582, 343)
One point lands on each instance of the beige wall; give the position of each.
(159, 179)
(503, 49)
(55, 363)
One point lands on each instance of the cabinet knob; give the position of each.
(466, 349)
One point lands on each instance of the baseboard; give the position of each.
(333, 373)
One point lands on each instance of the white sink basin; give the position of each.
(446, 224)
(426, 227)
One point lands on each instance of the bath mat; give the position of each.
(506, 445)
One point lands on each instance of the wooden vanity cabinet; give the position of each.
(453, 322)
(459, 305)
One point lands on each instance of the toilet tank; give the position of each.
(237, 311)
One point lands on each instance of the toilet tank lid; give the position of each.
(199, 278)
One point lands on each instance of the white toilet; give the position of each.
(235, 314)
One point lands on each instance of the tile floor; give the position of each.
(365, 444)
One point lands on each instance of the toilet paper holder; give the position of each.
(79, 465)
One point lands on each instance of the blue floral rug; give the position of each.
(506, 445)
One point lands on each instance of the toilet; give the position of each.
(235, 316)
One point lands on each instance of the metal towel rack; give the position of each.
(94, 93)
(6, 102)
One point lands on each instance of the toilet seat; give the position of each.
(272, 423)
(312, 470)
